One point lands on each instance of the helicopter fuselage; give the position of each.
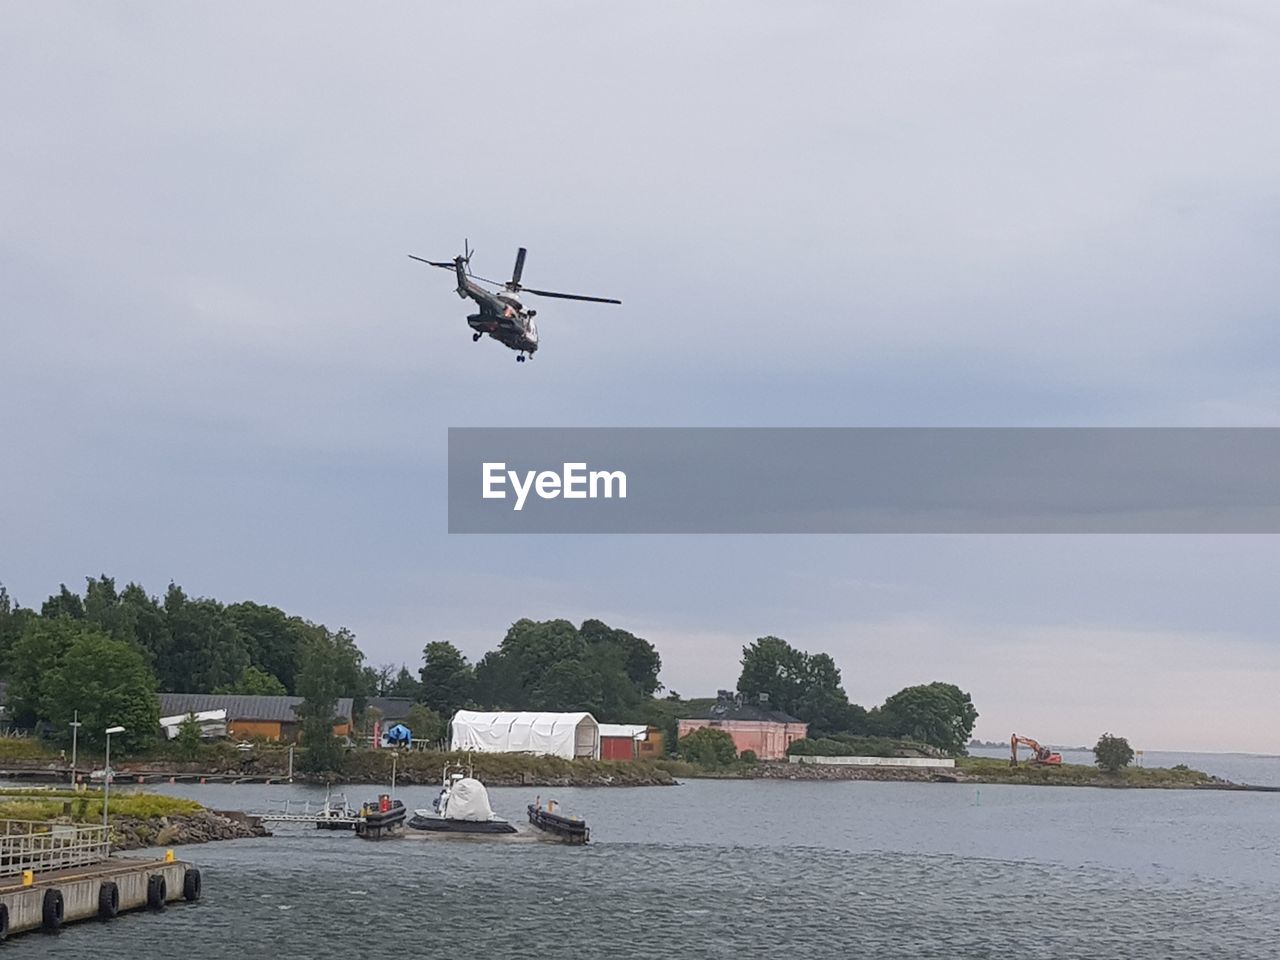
(502, 315)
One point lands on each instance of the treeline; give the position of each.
(107, 652)
(808, 686)
(105, 655)
(539, 665)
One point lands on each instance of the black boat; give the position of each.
(569, 829)
(461, 807)
(436, 824)
(381, 818)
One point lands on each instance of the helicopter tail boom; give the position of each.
(460, 267)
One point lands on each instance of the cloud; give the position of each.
(217, 364)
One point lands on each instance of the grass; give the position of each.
(996, 770)
(25, 748)
(374, 766)
(18, 804)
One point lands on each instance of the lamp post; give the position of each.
(106, 786)
(75, 730)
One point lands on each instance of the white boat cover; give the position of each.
(468, 800)
(213, 723)
(568, 735)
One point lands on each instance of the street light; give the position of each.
(106, 786)
(75, 730)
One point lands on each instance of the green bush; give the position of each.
(748, 756)
(1112, 753)
(849, 746)
(707, 747)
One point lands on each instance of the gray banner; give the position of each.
(864, 480)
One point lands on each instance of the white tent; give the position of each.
(568, 735)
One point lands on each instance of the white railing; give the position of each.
(41, 846)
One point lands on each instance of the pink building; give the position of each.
(752, 726)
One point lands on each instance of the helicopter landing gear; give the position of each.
(475, 337)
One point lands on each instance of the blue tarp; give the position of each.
(398, 734)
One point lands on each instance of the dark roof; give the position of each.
(732, 710)
(391, 708)
(279, 709)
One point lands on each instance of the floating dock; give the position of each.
(568, 829)
(52, 874)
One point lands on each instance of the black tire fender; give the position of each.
(51, 911)
(157, 891)
(108, 899)
(4, 921)
(191, 885)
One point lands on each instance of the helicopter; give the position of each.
(502, 316)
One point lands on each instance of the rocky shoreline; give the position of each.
(500, 771)
(205, 826)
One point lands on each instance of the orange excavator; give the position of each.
(1039, 755)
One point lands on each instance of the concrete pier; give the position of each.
(53, 873)
(99, 890)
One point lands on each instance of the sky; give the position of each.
(218, 367)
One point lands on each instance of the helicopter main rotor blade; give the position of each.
(515, 274)
(444, 266)
(567, 296)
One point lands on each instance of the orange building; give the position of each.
(753, 726)
(266, 718)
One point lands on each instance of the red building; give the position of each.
(753, 726)
(629, 741)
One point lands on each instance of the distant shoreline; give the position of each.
(511, 770)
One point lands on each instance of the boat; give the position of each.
(461, 807)
(550, 820)
(381, 818)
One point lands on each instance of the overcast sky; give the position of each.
(217, 365)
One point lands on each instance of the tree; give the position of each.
(823, 703)
(13, 621)
(330, 669)
(1112, 753)
(639, 658)
(147, 619)
(64, 603)
(405, 684)
(207, 650)
(707, 747)
(272, 638)
(255, 683)
(448, 682)
(108, 682)
(939, 714)
(32, 658)
(425, 724)
(188, 739)
(771, 666)
(802, 684)
(553, 665)
(378, 680)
